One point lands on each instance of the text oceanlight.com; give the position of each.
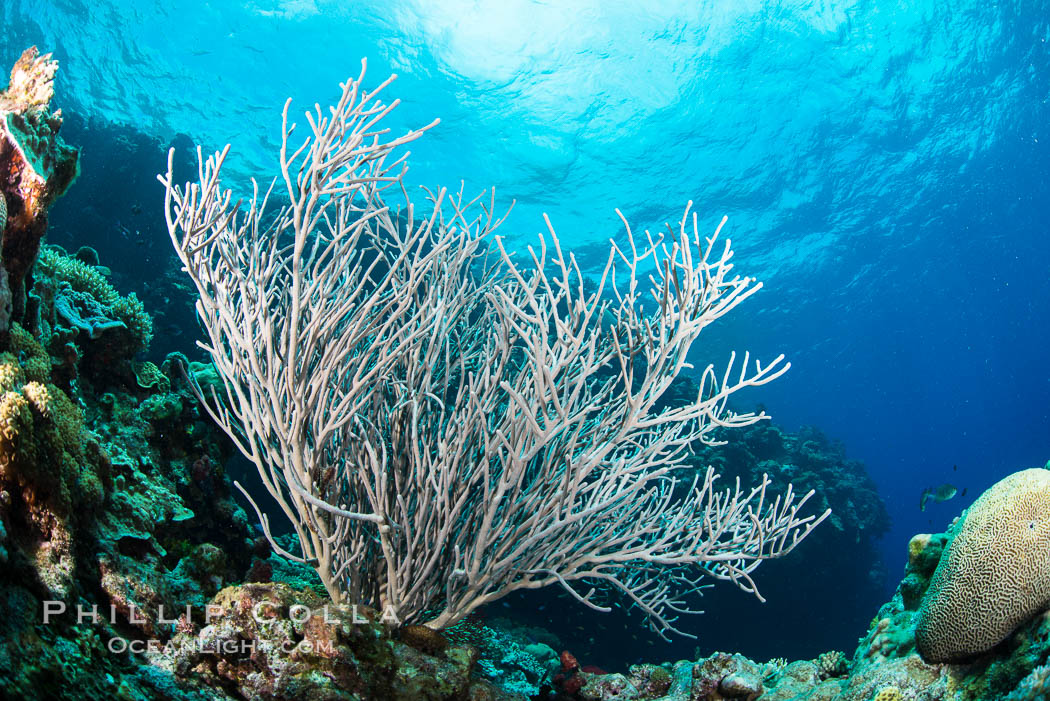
(237, 648)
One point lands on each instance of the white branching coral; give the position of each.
(444, 422)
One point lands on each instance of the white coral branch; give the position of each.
(445, 423)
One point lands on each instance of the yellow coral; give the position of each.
(39, 397)
(14, 415)
(888, 693)
(11, 375)
(916, 545)
(51, 402)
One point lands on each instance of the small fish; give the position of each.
(941, 493)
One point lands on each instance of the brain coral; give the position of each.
(994, 575)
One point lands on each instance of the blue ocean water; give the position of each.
(885, 170)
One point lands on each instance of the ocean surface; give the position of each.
(885, 168)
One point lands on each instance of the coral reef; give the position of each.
(51, 472)
(121, 158)
(36, 167)
(113, 496)
(270, 641)
(885, 665)
(115, 499)
(85, 303)
(723, 676)
(129, 572)
(513, 662)
(163, 491)
(104, 503)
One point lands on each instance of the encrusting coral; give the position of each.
(889, 693)
(84, 299)
(995, 574)
(37, 168)
(1034, 687)
(47, 475)
(101, 502)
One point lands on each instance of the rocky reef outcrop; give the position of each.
(36, 168)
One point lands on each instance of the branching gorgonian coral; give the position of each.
(445, 422)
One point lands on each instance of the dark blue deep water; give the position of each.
(885, 168)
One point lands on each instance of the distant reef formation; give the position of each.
(839, 563)
(965, 597)
(808, 460)
(842, 563)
